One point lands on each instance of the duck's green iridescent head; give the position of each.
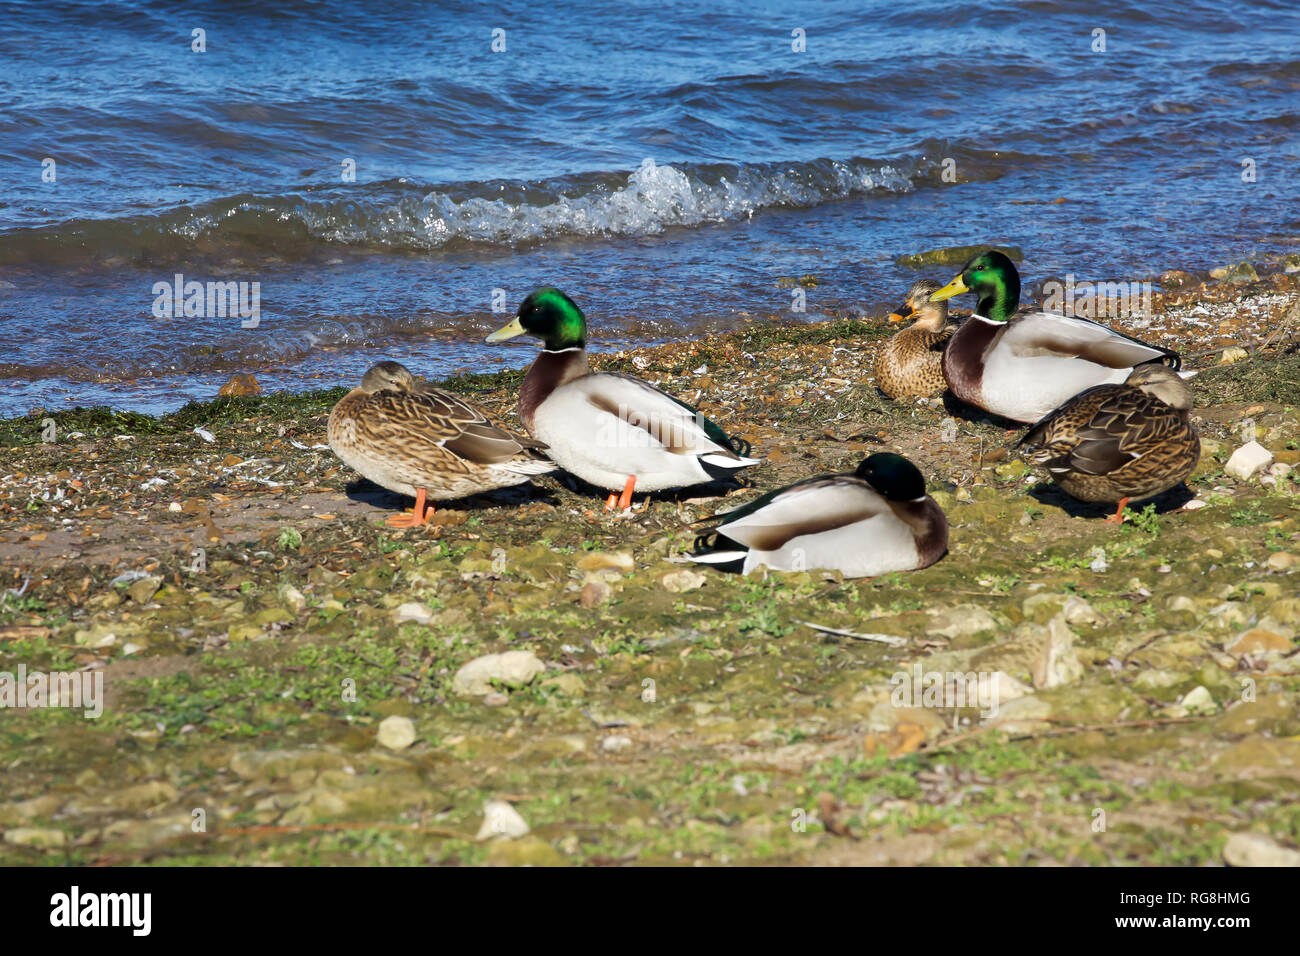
(893, 476)
(550, 315)
(993, 277)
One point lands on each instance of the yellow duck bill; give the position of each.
(508, 331)
(956, 287)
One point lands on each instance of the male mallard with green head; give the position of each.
(611, 430)
(418, 440)
(910, 364)
(870, 521)
(1022, 366)
(1112, 443)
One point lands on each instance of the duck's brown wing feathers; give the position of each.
(1102, 429)
(442, 418)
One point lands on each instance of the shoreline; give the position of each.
(1173, 293)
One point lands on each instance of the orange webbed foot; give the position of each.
(625, 501)
(417, 516)
(621, 502)
(1118, 516)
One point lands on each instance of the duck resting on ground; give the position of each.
(1113, 443)
(418, 440)
(611, 430)
(911, 363)
(1022, 366)
(870, 521)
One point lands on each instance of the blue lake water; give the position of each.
(381, 171)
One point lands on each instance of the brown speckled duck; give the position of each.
(418, 440)
(1113, 443)
(911, 363)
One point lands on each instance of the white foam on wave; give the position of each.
(654, 198)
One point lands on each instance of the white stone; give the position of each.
(293, 599)
(413, 611)
(1058, 663)
(500, 819)
(1198, 701)
(1247, 460)
(616, 743)
(513, 669)
(1009, 688)
(396, 733)
(684, 580)
(1196, 504)
(1256, 849)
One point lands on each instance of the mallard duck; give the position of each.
(911, 363)
(1112, 443)
(418, 440)
(1022, 366)
(611, 430)
(870, 521)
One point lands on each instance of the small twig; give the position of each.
(878, 638)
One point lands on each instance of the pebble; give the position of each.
(1259, 641)
(143, 590)
(1074, 608)
(1256, 849)
(616, 743)
(684, 580)
(599, 560)
(293, 599)
(1280, 561)
(495, 699)
(1058, 663)
(413, 611)
(961, 621)
(500, 819)
(1248, 459)
(1198, 701)
(1196, 504)
(396, 733)
(513, 668)
(36, 836)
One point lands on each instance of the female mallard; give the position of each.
(1023, 366)
(420, 441)
(869, 521)
(1116, 442)
(911, 363)
(613, 431)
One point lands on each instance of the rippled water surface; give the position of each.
(664, 162)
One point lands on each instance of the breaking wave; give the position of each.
(403, 216)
